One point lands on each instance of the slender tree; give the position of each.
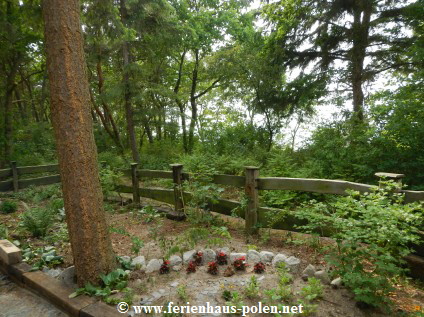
(72, 124)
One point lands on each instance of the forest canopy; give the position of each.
(218, 85)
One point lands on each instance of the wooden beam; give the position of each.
(5, 173)
(15, 176)
(251, 191)
(38, 169)
(6, 186)
(324, 186)
(135, 183)
(46, 180)
(177, 179)
(155, 174)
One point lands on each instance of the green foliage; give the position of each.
(252, 289)
(182, 293)
(373, 232)
(126, 265)
(60, 234)
(109, 179)
(313, 289)
(4, 232)
(37, 221)
(8, 207)
(235, 300)
(42, 257)
(114, 281)
(136, 244)
(37, 194)
(148, 214)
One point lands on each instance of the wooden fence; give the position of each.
(14, 172)
(251, 183)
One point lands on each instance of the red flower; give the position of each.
(221, 258)
(213, 268)
(191, 268)
(259, 268)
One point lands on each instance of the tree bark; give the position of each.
(129, 114)
(180, 104)
(362, 16)
(193, 102)
(77, 153)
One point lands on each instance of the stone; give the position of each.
(224, 249)
(266, 257)
(52, 272)
(174, 284)
(322, 276)
(67, 277)
(234, 256)
(139, 262)
(175, 260)
(154, 265)
(189, 256)
(156, 295)
(209, 255)
(9, 253)
(126, 258)
(253, 257)
(177, 268)
(336, 283)
(293, 264)
(278, 259)
(309, 270)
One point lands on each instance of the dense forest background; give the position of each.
(218, 85)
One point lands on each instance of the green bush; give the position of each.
(8, 207)
(37, 221)
(4, 232)
(109, 179)
(372, 233)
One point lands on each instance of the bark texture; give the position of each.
(70, 115)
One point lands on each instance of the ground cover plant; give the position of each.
(285, 290)
(373, 233)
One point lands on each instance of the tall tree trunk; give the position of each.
(27, 82)
(73, 129)
(179, 102)
(129, 115)
(193, 102)
(11, 70)
(8, 114)
(362, 16)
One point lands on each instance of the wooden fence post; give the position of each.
(135, 183)
(177, 178)
(251, 191)
(15, 176)
(390, 176)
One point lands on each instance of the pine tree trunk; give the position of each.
(129, 114)
(72, 124)
(362, 16)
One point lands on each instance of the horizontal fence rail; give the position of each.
(15, 171)
(251, 211)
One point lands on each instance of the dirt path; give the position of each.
(16, 301)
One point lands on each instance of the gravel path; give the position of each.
(16, 301)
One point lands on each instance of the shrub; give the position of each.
(4, 233)
(164, 268)
(213, 268)
(372, 233)
(8, 207)
(240, 264)
(37, 221)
